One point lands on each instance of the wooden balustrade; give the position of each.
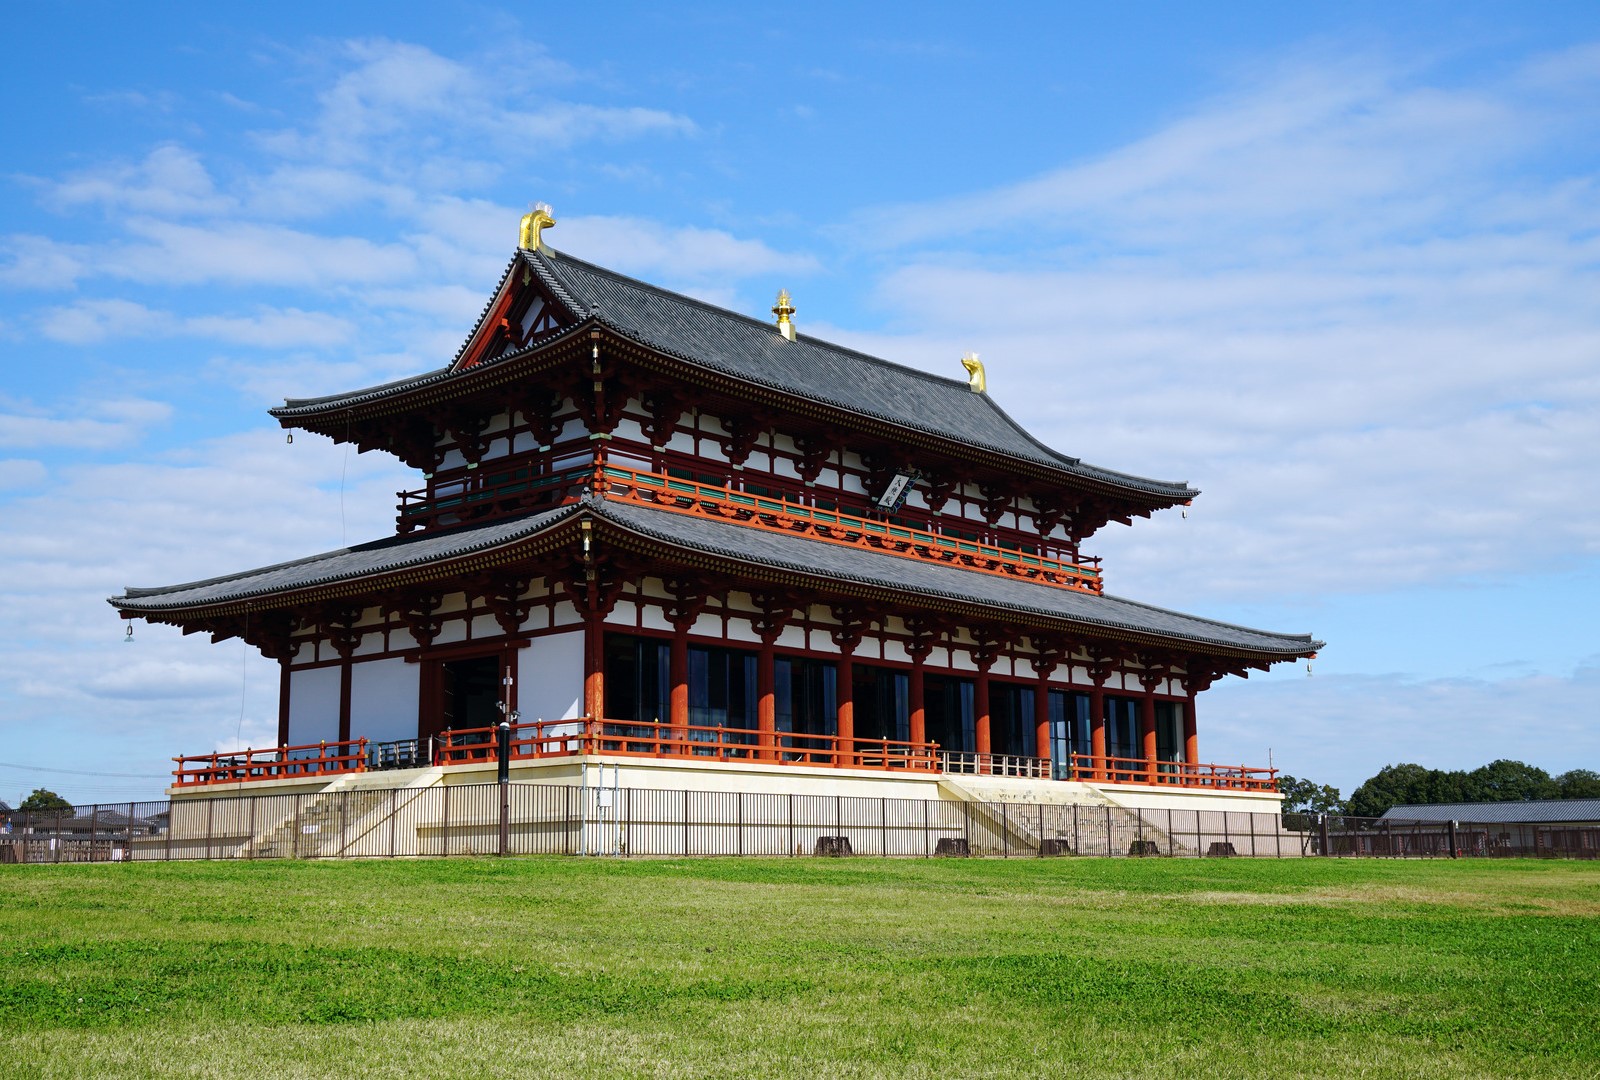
(312, 760)
(1182, 774)
(778, 514)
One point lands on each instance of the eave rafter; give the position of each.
(566, 360)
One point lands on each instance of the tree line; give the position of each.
(1407, 784)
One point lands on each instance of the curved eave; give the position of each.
(484, 547)
(332, 416)
(803, 572)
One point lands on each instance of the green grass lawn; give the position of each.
(807, 968)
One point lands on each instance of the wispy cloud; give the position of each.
(89, 321)
(95, 425)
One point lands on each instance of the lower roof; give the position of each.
(1536, 812)
(989, 595)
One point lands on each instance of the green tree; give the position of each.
(43, 799)
(1578, 784)
(1398, 785)
(1509, 781)
(1308, 796)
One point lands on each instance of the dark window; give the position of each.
(1122, 728)
(1011, 719)
(1069, 729)
(805, 697)
(950, 720)
(638, 678)
(470, 693)
(1169, 731)
(722, 690)
(882, 700)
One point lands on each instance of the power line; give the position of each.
(82, 772)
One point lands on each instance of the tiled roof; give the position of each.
(752, 350)
(740, 543)
(1506, 813)
(343, 564)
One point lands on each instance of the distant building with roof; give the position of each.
(1537, 827)
(714, 551)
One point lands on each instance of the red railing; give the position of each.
(278, 763)
(1122, 770)
(561, 738)
(781, 515)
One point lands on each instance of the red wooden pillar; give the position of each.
(1147, 730)
(845, 694)
(917, 699)
(980, 707)
(1191, 737)
(1041, 718)
(1043, 664)
(678, 695)
(345, 672)
(283, 702)
(1097, 722)
(766, 701)
(594, 665)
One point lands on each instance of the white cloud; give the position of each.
(166, 252)
(89, 321)
(1342, 729)
(399, 98)
(171, 181)
(21, 473)
(686, 253)
(94, 426)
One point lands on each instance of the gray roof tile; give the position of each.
(742, 543)
(751, 350)
(1506, 813)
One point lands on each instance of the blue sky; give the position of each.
(1334, 265)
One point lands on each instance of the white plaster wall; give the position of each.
(651, 618)
(550, 678)
(485, 626)
(383, 699)
(791, 637)
(629, 430)
(759, 461)
(313, 705)
(785, 467)
(564, 614)
(682, 442)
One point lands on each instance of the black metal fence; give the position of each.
(545, 819)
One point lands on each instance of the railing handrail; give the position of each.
(891, 535)
(656, 738)
(1125, 770)
(271, 763)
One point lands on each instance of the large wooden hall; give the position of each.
(713, 551)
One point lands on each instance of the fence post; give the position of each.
(57, 845)
(295, 836)
(130, 832)
(1322, 829)
(793, 850)
(252, 841)
(344, 821)
(1041, 830)
(686, 820)
(1111, 847)
(505, 816)
(1455, 852)
(445, 833)
(94, 829)
(170, 809)
(739, 813)
(211, 818)
(1005, 833)
(394, 813)
(927, 850)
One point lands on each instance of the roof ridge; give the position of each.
(811, 339)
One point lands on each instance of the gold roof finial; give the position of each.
(540, 217)
(975, 379)
(783, 309)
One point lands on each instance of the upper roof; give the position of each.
(835, 563)
(751, 350)
(1509, 813)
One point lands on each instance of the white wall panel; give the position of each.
(550, 677)
(383, 699)
(313, 705)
